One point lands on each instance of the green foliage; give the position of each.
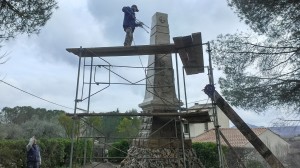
(118, 150)
(21, 114)
(208, 153)
(79, 148)
(266, 63)
(13, 153)
(19, 17)
(67, 123)
(109, 125)
(23, 122)
(129, 126)
(54, 152)
(272, 17)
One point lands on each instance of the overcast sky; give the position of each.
(40, 64)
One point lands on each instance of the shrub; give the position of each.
(207, 152)
(118, 150)
(54, 152)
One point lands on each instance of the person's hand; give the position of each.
(31, 140)
(140, 24)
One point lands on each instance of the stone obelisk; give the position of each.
(160, 142)
(160, 93)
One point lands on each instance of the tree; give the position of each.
(27, 16)
(21, 114)
(67, 123)
(25, 121)
(109, 125)
(262, 69)
(129, 126)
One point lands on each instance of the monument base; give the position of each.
(160, 157)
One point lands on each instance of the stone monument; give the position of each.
(160, 142)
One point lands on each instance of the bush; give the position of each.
(12, 153)
(118, 150)
(54, 152)
(207, 152)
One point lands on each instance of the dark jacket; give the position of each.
(33, 154)
(129, 18)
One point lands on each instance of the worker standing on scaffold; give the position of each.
(129, 23)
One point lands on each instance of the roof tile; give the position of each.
(233, 136)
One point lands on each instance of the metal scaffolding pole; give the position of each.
(75, 108)
(180, 119)
(215, 115)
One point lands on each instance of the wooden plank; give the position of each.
(193, 117)
(245, 130)
(184, 115)
(191, 53)
(181, 50)
(197, 117)
(123, 51)
(183, 44)
(233, 151)
(197, 51)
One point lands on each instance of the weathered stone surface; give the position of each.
(160, 158)
(160, 90)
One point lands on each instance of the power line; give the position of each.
(35, 95)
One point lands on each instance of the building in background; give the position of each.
(195, 129)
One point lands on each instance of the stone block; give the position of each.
(160, 19)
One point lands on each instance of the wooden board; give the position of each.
(123, 51)
(192, 117)
(191, 53)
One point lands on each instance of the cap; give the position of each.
(134, 6)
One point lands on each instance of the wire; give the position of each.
(35, 95)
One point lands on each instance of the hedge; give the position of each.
(207, 152)
(54, 152)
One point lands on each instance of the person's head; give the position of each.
(134, 8)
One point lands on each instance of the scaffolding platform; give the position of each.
(189, 49)
(191, 117)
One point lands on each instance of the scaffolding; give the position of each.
(92, 59)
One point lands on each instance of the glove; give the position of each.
(140, 24)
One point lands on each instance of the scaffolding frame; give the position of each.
(136, 50)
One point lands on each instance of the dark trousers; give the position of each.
(33, 165)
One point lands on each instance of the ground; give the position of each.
(102, 165)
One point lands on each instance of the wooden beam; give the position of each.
(193, 117)
(244, 129)
(124, 51)
(191, 53)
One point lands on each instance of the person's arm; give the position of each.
(29, 145)
(40, 156)
(138, 24)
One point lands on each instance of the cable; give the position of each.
(36, 96)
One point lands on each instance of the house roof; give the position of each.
(233, 136)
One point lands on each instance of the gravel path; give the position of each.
(102, 165)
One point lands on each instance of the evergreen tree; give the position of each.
(26, 16)
(262, 68)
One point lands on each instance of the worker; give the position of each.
(129, 23)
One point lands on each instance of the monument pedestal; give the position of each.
(161, 158)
